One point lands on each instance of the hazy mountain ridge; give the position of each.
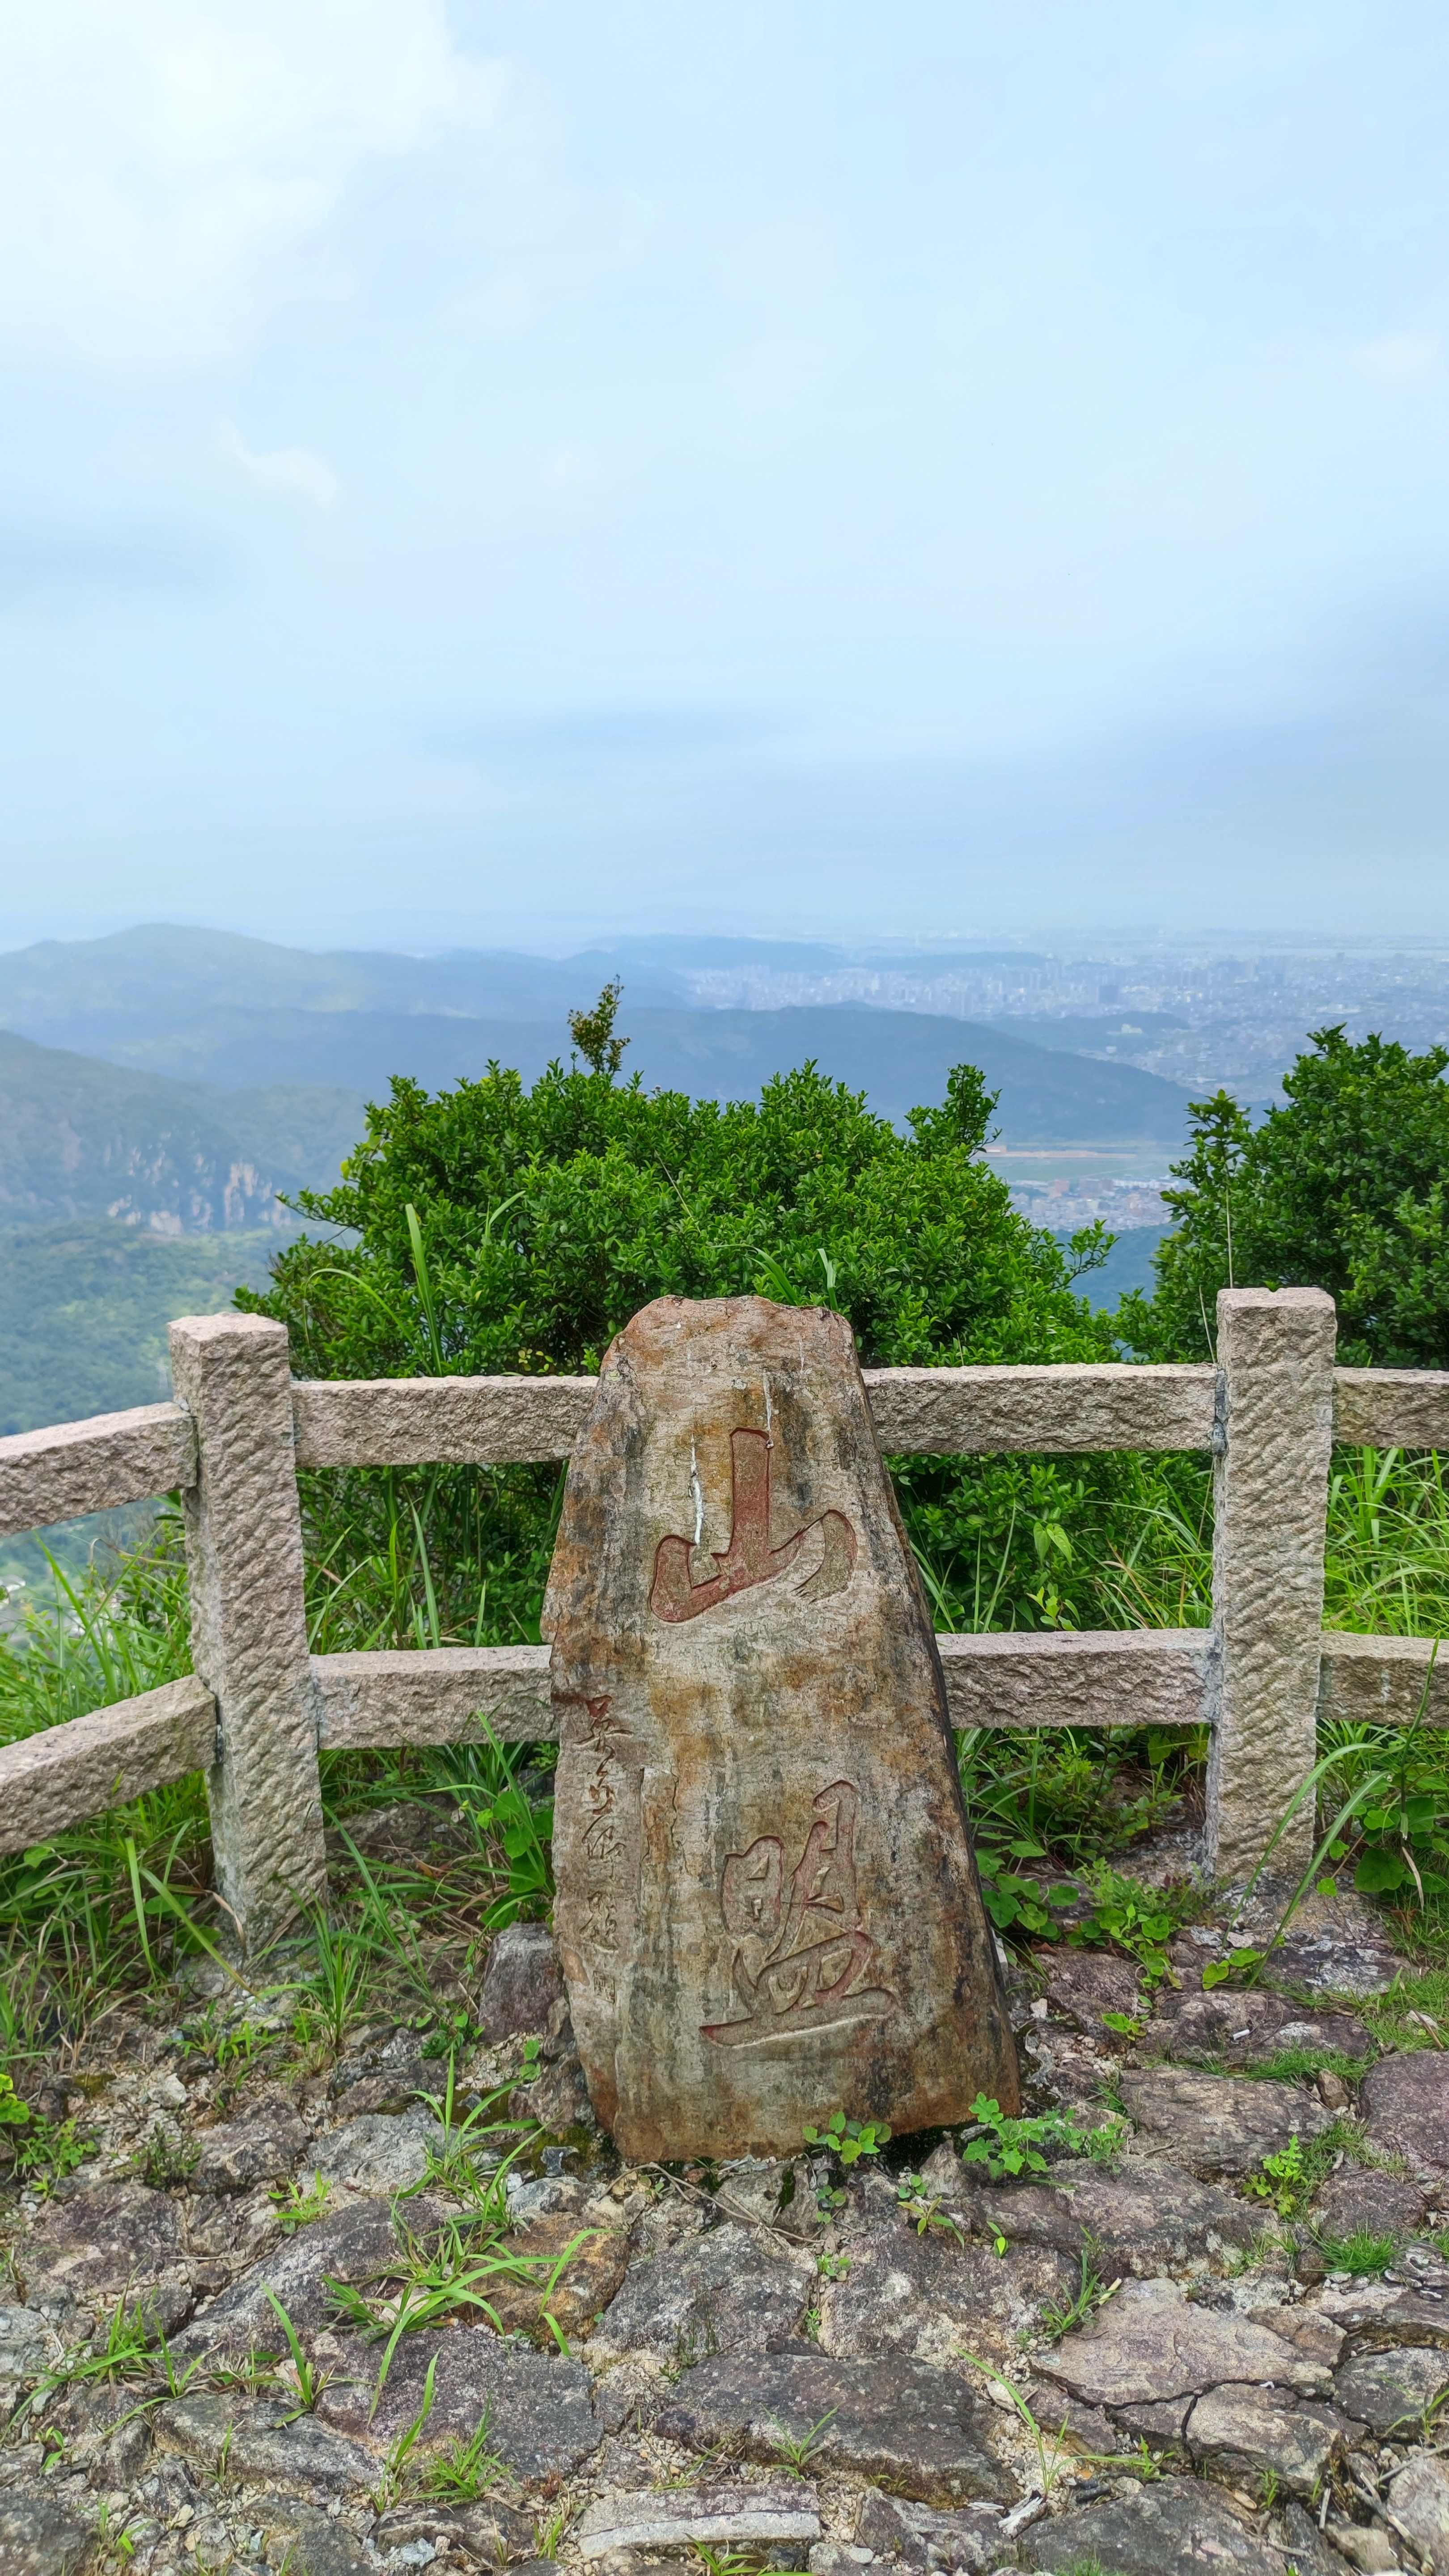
(107, 996)
(246, 1016)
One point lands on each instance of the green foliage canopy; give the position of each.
(1342, 1189)
(550, 1215)
(543, 1218)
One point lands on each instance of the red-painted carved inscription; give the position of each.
(750, 1559)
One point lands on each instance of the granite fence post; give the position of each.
(248, 1623)
(1275, 1361)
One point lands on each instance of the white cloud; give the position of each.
(168, 168)
(295, 470)
(1399, 358)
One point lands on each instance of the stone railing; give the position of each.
(261, 1706)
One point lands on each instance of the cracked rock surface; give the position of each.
(621, 2365)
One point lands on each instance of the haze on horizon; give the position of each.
(492, 476)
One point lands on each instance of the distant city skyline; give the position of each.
(482, 478)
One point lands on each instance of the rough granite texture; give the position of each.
(1219, 2123)
(78, 1467)
(767, 1901)
(69, 1772)
(1079, 1405)
(249, 1626)
(1061, 1677)
(1275, 1351)
(436, 1695)
(421, 1421)
(1406, 2100)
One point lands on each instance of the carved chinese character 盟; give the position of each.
(799, 1967)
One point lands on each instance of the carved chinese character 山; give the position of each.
(767, 1903)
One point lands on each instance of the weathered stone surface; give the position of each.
(98, 2242)
(571, 2292)
(767, 1901)
(66, 1773)
(1244, 2432)
(557, 2098)
(541, 2420)
(259, 2443)
(377, 2153)
(75, 1467)
(921, 2429)
(1419, 2496)
(1383, 2389)
(922, 2293)
(921, 2537)
(1295, 2531)
(1242, 2029)
(1084, 1984)
(1270, 1494)
(40, 2537)
(27, 2342)
(1309, 2331)
(1150, 2344)
(351, 2244)
(1360, 2198)
(1364, 2545)
(1141, 2215)
(1379, 2316)
(486, 2535)
(259, 2148)
(248, 1619)
(316, 2545)
(1172, 2523)
(720, 2292)
(764, 2192)
(1406, 2103)
(717, 2515)
(1219, 2123)
(523, 1986)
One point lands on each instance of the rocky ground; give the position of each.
(1165, 2355)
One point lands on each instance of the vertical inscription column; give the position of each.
(1275, 1354)
(248, 1624)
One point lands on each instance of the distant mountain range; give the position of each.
(236, 1068)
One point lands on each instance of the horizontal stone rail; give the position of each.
(1391, 1408)
(1022, 1680)
(1383, 1681)
(944, 1412)
(79, 1467)
(1261, 1678)
(1111, 1677)
(77, 1770)
(88, 1466)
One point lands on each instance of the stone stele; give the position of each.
(767, 1902)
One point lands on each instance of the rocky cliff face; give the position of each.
(83, 1139)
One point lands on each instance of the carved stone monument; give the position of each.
(767, 1903)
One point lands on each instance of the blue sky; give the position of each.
(502, 472)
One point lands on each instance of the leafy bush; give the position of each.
(1343, 1189)
(506, 1229)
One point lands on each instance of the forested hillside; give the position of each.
(83, 1139)
(84, 1310)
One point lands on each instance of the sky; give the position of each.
(499, 473)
